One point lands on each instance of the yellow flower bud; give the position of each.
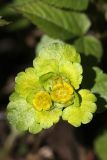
(42, 101)
(62, 91)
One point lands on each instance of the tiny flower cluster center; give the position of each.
(42, 101)
(61, 93)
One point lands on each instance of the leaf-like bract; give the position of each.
(55, 22)
(89, 45)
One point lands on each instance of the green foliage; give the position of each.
(89, 45)
(101, 146)
(55, 22)
(100, 85)
(19, 24)
(17, 21)
(71, 4)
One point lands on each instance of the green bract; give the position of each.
(49, 90)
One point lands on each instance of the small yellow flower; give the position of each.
(62, 91)
(49, 90)
(42, 101)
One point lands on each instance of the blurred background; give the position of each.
(18, 43)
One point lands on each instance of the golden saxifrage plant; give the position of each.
(50, 90)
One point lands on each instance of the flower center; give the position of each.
(61, 92)
(42, 101)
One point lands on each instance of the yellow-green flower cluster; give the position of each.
(50, 90)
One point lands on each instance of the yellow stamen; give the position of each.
(42, 101)
(61, 92)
